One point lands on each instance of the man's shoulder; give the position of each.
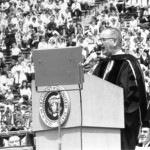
(124, 57)
(130, 60)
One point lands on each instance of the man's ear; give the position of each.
(115, 42)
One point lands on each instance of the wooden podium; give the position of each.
(95, 119)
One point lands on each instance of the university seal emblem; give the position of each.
(49, 106)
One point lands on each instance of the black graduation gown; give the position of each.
(126, 73)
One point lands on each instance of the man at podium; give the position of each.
(124, 70)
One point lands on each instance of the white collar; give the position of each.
(119, 52)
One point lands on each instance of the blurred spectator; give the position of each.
(5, 6)
(3, 126)
(27, 117)
(9, 95)
(18, 73)
(76, 8)
(25, 89)
(19, 123)
(51, 26)
(70, 28)
(144, 136)
(14, 141)
(71, 40)
(42, 44)
(10, 38)
(61, 42)
(79, 29)
(94, 28)
(34, 41)
(114, 23)
(2, 61)
(112, 6)
(15, 51)
(63, 6)
(10, 80)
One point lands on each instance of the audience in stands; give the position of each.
(40, 24)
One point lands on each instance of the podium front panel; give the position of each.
(103, 104)
(74, 118)
(70, 138)
(101, 139)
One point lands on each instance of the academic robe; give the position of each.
(126, 73)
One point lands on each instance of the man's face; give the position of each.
(145, 135)
(14, 141)
(19, 124)
(108, 42)
(27, 115)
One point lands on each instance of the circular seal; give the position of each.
(50, 101)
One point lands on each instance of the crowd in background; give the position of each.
(26, 25)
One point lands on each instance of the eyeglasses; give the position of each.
(104, 39)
